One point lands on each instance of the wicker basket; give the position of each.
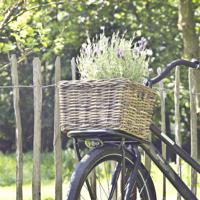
(119, 104)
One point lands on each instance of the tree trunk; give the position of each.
(190, 39)
(191, 50)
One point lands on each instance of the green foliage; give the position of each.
(112, 58)
(68, 163)
(47, 28)
(8, 167)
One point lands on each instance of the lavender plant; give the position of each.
(113, 57)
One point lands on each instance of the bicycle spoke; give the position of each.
(105, 162)
(105, 181)
(83, 197)
(134, 193)
(87, 187)
(141, 190)
(102, 188)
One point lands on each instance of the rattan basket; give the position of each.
(119, 104)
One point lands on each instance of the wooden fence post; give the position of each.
(57, 136)
(193, 127)
(147, 159)
(177, 120)
(19, 155)
(37, 82)
(163, 127)
(73, 68)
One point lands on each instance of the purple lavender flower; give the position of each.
(140, 46)
(120, 53)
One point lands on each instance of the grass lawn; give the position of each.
(47, 191)
(170, 190)
(47, 188)
(7, 177)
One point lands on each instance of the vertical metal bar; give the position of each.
(123, 169)
(133, 175)
(76, 148)
(115, 176)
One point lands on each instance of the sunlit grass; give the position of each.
(47, 191)
(8, 192)
(171, 192)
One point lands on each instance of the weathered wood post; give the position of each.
(177, 120)
(193, 127)
(19, 154)
(57, 135)
(73, 68)
(163, 127)
(147, 159)
(37, 82)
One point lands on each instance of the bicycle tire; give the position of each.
(94, 159)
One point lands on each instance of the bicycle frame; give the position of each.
(149, 148)
(170, 174)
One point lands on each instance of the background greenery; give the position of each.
(8, 177)
(47, 28)
(50, 28)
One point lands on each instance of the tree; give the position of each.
(187, 25)
(47, 28)
(191, 50)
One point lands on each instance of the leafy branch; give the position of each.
(9, 13)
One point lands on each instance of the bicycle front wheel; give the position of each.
(97, 176)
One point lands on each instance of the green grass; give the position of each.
(171, 192)
(7, 174)
(7, 177)
(47, 192)
(8, 167)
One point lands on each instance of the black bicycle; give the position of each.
(112, 169)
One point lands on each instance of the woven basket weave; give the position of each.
(119, 104)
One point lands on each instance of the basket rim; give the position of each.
(111, 80)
